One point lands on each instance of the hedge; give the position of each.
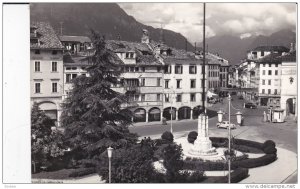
(168, 136)
(235, 177)
(255, 162)
(82, 172)
(192, 136)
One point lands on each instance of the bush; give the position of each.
(270, 150)
(82, 172)
(255, 162)
(192, 136)
(248, 143)
(268, 143)
(168, 136)
(173, 163)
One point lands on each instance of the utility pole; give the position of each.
(203, 65)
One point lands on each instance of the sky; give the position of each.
(239, 19)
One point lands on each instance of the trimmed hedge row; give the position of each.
(82, 172)
(236, 176)
(254, 162)
(196, 164)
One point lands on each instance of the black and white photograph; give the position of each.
(124, 92)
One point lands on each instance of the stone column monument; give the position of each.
(202, 145)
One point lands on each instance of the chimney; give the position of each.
(145, 36)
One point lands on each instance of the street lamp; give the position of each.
(109, 153)
(229, 137)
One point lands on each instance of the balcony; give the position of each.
(132, 89)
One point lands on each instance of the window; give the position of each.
(74, 76)
(158, 82)
(178, 69)
(263, 82)
(143, 97)
(68, 78)
(143, 69)
(275, 91)
(193, 69)
(269, 91)
(136, 69)
(276, 72)
(37, 87)
(168, 69)
(157, 97)
(68, 68)
(178, 83)
(167, 98)
(54, 52)
(178, 98)
(263, 91)
(269, 82)
(271, 100)
(37, 52)
(54, 87)
(262, 53)
(270, 65)
(54, 66)
(143, 82)
(276, 65)
(193, 83)
(158, 69)
(136, 97)
(264, 65)
(270, 72)
(37, 66)
(264, 72)
(131, 69)
(167, 83)
(193, 97)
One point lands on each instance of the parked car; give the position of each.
(225, 125)
(250, 105)
(241, 97)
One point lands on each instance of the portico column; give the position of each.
(176, 111)
(191, 113)
(147, 117)
(59, 111)
(161, 115)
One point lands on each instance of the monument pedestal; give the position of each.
(202, 145)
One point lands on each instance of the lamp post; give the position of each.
(229, 138)
(109, 153)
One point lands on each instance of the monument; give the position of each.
(202, 145)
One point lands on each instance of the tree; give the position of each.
(45, 143)
(131, 165)
(92, 116)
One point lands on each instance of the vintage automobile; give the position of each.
(225, 125)
(250, 105)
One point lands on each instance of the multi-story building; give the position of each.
(46, 69)
(182, 84)
(288, 101)
(262, 51)
(270, 80)
(142, 79)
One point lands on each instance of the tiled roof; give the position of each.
(81, 39)
(290, 57)
(270, 58)
(46, 36)
(271, 48)
(139, 48)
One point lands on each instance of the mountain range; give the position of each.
(112, 21)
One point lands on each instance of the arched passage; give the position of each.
(290, 106)
(184, 112)
(50, 109)
(167, 113)
(139, 115)
(197, 111)
(154, 114)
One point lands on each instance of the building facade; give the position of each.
(288, 101)
(46, 69)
